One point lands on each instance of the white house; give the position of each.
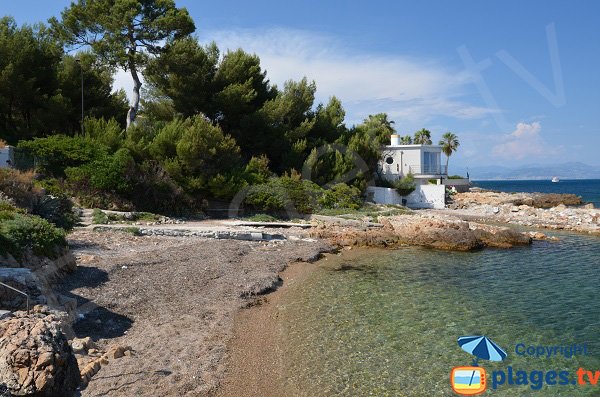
(7, 156)
(424, 163)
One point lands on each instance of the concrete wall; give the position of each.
(461, 185)
(6, 153)
(424, 196)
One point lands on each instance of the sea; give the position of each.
(377, 322)
(588, 189)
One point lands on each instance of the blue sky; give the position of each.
(517, 81)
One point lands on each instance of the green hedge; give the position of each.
(20, 233)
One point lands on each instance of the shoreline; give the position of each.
(211, 303)
(255, 364)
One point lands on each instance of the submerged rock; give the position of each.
(35, 358)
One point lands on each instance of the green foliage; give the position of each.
(99, 217)
(449, 144)
(22, 233)
(112, 173)
(40, 86)
(456, 177)
(261, 218)
(57, 152)
(406, 185)
(110, 27)
(257, 170)
(109, 133)
(132, 230)
(341, 196)
(284, 194)
(422, 137)
(56, 209)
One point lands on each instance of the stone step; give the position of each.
(4, 314)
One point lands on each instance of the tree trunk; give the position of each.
(447, 159)
(135, 100)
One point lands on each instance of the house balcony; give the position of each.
(429, 171)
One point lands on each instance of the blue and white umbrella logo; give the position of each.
(481, 347)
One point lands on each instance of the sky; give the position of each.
(517, 81)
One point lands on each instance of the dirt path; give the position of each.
(173, 300)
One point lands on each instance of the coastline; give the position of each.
(255, 364)
(212, 303)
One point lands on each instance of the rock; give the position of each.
(560, 207)
(495, 210)
(589, 206)
(35, 358)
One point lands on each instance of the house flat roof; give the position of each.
(412, 146)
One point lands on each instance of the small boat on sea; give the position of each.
(555, 179)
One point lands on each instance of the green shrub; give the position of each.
(262, 218)
(110, 173)
(405, 186)
(133, 230)
(281, 194)
(99, 217)
(56, 153)
(341, 196)
(57, 210)
(25, 232)
(23, 191)
(456, 177)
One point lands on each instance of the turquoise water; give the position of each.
(385, 323)
(588, 189)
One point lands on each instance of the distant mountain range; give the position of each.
(572, 170)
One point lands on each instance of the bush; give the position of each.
(23, 192)
(22, 233)
(405, 186)
(341, 196)
(99, 217)
(57, 210)
(108, 173)
(288, 192)
(57, 152)
(19, 187)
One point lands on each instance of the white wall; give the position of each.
(406, 158)
(6, 153)
(424, 196)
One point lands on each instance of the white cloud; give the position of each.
(408, 89)
(525, 142)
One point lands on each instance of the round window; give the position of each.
(389, 160)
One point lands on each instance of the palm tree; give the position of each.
(422, 137)
(449, 144)
(406, 140)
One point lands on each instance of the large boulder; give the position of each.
(35, 358)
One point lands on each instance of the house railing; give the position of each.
(428, 170)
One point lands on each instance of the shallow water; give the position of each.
(385, 323)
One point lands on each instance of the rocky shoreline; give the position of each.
(547, 211)
(185, 283)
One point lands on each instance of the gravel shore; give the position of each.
(173, 300)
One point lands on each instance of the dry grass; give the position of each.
(19, 187)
